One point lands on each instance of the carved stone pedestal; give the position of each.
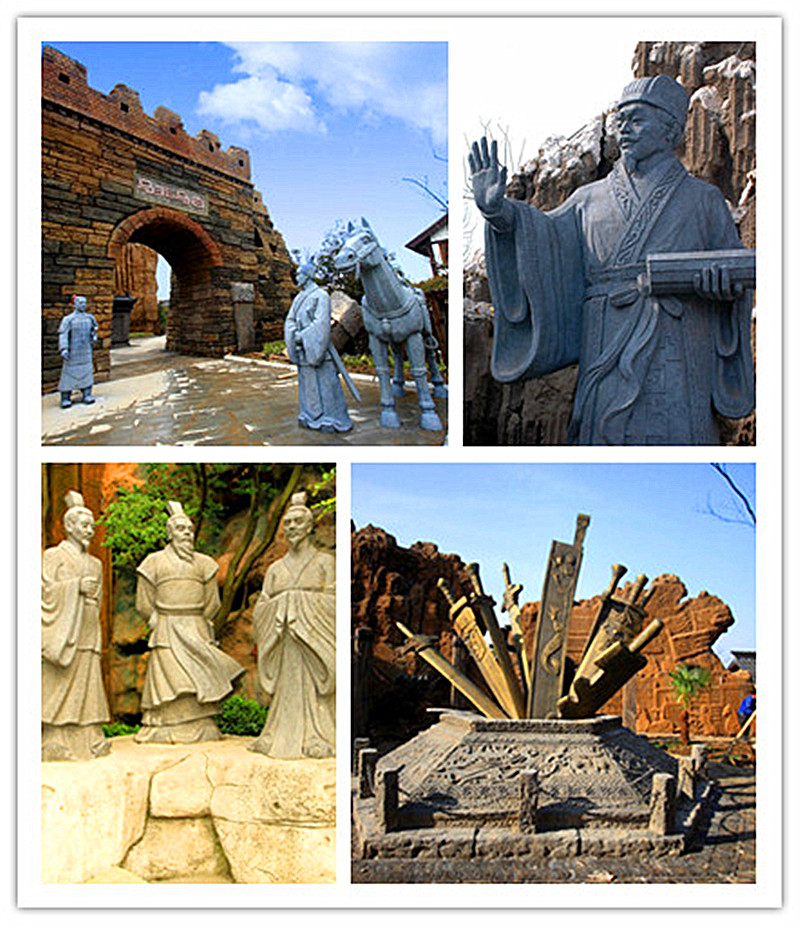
(470, 787)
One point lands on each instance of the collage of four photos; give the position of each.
(496, 314)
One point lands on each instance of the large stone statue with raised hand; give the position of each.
(74, 704)
(307, 332)
(395, 315)
(187, 674)
(77, 335)
(295, 631)
(639, 277)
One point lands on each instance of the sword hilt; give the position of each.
(445, 589)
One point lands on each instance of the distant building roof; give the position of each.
(421, 244)
(744, 659)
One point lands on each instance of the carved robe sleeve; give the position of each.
(536, 277)
(62, 609)
(316, 335)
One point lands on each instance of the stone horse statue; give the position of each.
(394, 313)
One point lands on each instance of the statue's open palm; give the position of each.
(488, 178)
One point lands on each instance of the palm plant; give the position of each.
(687, 682)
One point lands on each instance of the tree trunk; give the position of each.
(683, 727)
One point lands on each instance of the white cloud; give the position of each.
(271, 103)
(287, 85)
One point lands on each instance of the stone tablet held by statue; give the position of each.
(662, 347)
(187, 674)
(74, 705)
(295, 630)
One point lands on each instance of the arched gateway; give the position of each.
(114, 178)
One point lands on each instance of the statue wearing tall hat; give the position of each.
(77, 336)
(656, 360)
(295, 630)
(74, 705)
(187, 674)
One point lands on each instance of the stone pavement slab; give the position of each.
(161, 398)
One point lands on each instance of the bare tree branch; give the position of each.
(720, 468)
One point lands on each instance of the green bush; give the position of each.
(241, 716)
(118, 728)
(273, 347)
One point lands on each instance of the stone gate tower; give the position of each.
(113, 177)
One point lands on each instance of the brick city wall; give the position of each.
(113, 175)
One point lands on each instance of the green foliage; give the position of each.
(434, 284)
(687, 682)
(324, 491)
(118, 728)
(241, 716)
(273, 347)
(135, 521)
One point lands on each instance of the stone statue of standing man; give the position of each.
(654, 366)
(77, 336)
(307, 332)
(187, 674)
(295, 630)
(74, 705)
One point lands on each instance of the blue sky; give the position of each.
(653, 518)
(332, 128)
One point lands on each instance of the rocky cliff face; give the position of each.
(393, 687)
(136, 276)
(719, 147)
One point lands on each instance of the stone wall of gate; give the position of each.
(105, 162)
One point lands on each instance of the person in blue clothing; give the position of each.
(746, 709)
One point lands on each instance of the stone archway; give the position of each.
(198, 295)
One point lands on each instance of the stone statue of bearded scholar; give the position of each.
(74, 705)
(187, 674)
(295, 630)
(566, 286)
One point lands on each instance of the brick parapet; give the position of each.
(64, 83)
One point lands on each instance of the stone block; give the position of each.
(263, 854)
(172, 849)
(251, 787)
(662, 804)
(93, 812)
(528, 800)
(183, 790)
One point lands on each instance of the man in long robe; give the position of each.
(307, 333)
(566, 287)
(187, 674)
(77, 336)
(74, 705)
(295, 630)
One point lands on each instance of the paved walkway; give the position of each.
(726, 855)
(155, 397)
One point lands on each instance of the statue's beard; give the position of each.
(184, 548)
(629, 160)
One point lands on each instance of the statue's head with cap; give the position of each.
(79, 303)
(306, 273)
(651, 113)
(78, 520)
(298, 519)
(180, 530)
